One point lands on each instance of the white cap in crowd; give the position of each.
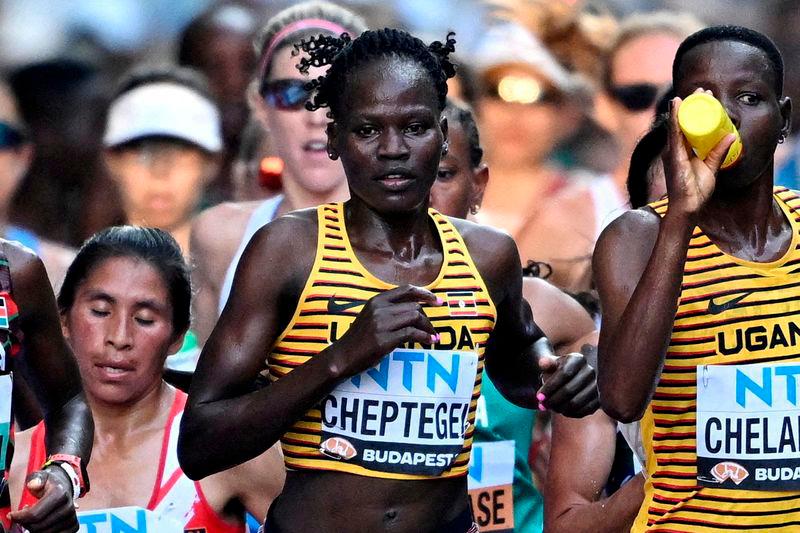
(164, 109)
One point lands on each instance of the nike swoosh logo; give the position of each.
(335, 307)
(715, 308)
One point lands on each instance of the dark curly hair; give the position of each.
(344, 54)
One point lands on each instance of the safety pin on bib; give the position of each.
(705, 376)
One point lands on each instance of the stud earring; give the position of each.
(474, 209)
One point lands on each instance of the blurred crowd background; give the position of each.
(63, 58)
(562, 91)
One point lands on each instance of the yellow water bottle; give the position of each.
(705, 123)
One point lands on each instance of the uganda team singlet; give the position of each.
(722, 431)
(412, 415)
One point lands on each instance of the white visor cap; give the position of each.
(164, 109)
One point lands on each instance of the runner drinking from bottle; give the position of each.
(698, 288)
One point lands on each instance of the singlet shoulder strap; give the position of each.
(167, 464)
(456, 254)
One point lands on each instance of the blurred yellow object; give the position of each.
(705, 123)
(519, 89)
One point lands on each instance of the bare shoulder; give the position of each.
(222, 223)
(294, 231)
(27, 268)
(286, 248)
(623, 250)
(543, 295)
(631, 228)
(559, 315)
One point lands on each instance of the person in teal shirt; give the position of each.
(504, 497)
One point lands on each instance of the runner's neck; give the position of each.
(116, 423)
(403, 236)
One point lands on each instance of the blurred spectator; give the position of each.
(574, 35)
(162, 143)
(15, 157)
(529, 105)
(66, 194)
(638, 69)
(277, 96)
(218, 43)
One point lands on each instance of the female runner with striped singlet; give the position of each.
(309, 178)
(377, 316)
(700, 308)
(124, 306)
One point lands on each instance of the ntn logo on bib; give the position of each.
(125, 520)
(748, 426)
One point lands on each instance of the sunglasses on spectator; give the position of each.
(635, 97)
(288, 95)
(10, 137)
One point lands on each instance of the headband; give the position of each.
(164, 109)
(294, 27)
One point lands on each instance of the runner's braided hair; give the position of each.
(344, 54)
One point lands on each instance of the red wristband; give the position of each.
(77, 464)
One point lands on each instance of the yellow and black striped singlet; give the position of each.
(333, 296)
(709, 330)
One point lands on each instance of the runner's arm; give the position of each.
(580, 461)
(48, 364)
(560, 316)
(222, 401)
(518, 354)
(638, 266)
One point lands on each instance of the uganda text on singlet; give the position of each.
(722, 432)
(411, 416)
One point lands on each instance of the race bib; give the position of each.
(6, 386)
(748, 426)
(125, 520)
(408, 414)
(490, 480)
